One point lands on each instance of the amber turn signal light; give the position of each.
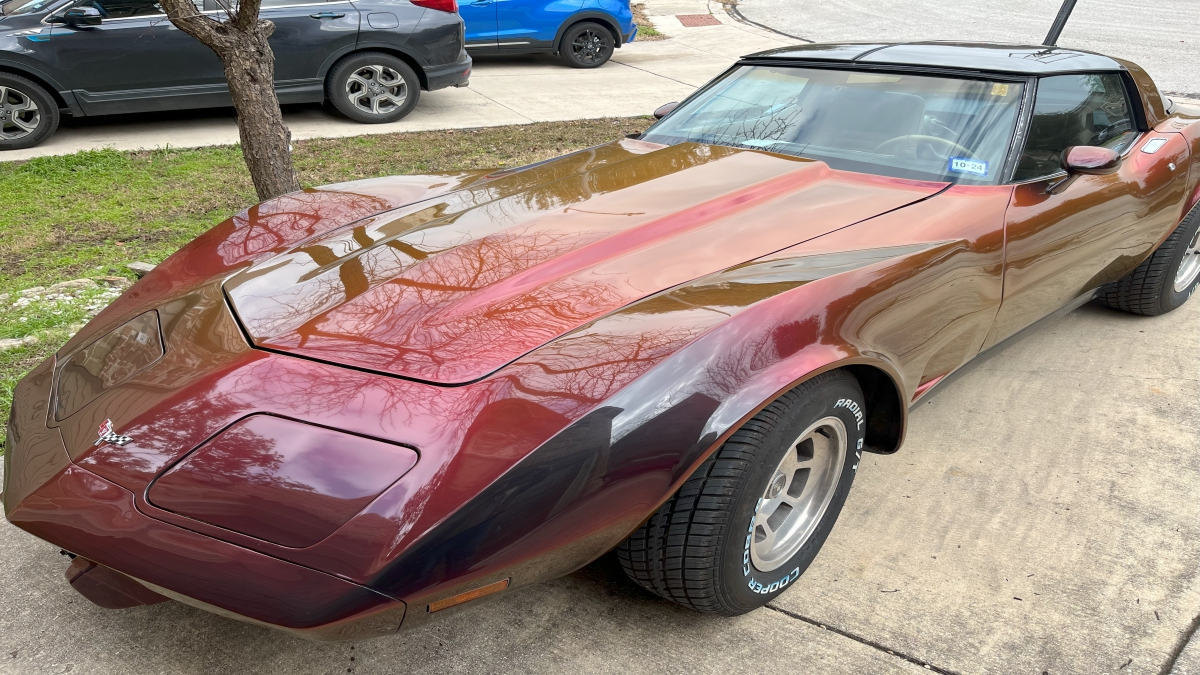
(469, 595)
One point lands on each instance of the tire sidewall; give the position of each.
(335, 89)
(568, 55)
(744, 586)
(1172, 299)
(46, 105)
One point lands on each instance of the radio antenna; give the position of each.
(1056, 30)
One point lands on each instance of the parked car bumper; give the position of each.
(453, 75)
(125, 558)
(631, 36)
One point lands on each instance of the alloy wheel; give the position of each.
(798, 493)
(19, 115)
(1189, 267)
(377, 90)
(588, 46)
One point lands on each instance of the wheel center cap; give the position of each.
(776, 486)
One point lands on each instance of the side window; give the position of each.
(1074, 110)
(231, 5)
(120, 9)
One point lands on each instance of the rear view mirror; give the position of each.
(664, 110)
(1090, 159)
(82, 16)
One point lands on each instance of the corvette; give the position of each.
(366, 405)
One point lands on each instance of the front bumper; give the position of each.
(52, 498)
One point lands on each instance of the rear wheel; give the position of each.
(586, 45)
(752, 518)
(28, 113)
(372, 87)
(1166, 279)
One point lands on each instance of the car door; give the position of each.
(526, 24)
(479, 21)
(306, 35)
(1067, 235)
(135, 60)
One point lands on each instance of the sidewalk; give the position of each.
(504, 90)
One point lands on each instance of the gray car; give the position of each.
(369, 58)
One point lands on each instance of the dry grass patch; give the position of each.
(646, 29)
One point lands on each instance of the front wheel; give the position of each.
(586, 45)
(1166, 279)
(28, 113)
(752, 518)
(372, 87)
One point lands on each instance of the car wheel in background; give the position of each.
(586, 45)
(28, 113)
(751, 519)
(1166, 279)
(372, 87)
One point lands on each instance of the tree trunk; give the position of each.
(241, 43)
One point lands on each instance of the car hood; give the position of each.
(453, 288)
(22, 23)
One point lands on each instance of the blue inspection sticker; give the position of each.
(967, 165)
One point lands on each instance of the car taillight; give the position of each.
(439, 5)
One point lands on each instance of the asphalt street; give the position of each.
(1162, 36)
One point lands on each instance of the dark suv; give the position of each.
(369, 58)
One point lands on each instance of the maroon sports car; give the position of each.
(359, 406)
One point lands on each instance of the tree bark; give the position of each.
(241, 43)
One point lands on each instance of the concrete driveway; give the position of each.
(1161, 36)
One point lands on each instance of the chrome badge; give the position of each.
(107, 435)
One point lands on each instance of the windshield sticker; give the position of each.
(760, 143)
(968, 165)
(999, 89)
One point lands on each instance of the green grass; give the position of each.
(91, 213)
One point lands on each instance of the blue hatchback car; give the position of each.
(583, 33)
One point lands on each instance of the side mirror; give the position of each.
(665, 109)
(82, 16)
(1090, 159)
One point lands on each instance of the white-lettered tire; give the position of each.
(750, 520)
(372, 87)
(28, 113)
(1166, 279)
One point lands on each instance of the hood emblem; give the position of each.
(107, 435)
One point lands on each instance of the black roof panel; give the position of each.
(978, 56)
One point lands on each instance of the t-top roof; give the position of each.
(978, 56)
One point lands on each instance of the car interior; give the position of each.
(1074, 110)
(899, 125)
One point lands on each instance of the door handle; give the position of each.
(327, 15)
(481, 3)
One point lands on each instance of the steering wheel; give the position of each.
(917, 146)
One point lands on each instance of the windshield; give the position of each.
(908, 126)
(15, 7)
